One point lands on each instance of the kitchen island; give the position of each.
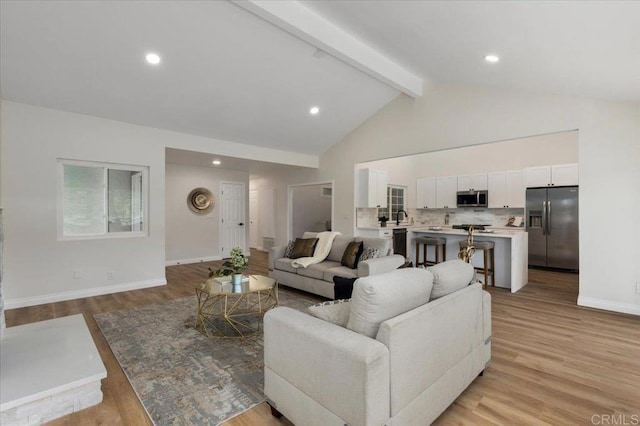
(511, 251)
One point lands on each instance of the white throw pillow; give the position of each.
(333, 311)
(450, 276)
(379, 297)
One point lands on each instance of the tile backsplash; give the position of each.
(368, 217)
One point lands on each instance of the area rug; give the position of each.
(181, 376)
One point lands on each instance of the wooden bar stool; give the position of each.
(437, 242)
(489, 265)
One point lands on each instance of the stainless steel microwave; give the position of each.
(472, 199)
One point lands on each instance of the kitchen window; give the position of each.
(396, 197)
(99, 200)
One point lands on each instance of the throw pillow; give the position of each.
(450, 276)
(334, 311)
(303, 247)
(377, 298)
(369, 253)
(342, 287)
(289, 249)
(351, 254)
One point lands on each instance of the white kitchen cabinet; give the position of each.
(516, 192)
(564, 174)
(475, 182)
(375, 233)
(556, 175)
(506, 189)
(426, 193)
(372, 188)
(497, 188)
(446, 188)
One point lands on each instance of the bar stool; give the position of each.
(489, 265)
(437, 242)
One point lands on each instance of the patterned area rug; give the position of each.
(181, 376)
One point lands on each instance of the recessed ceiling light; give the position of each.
(153, 58)
(216, 162)
(491, 58)
(314, 110)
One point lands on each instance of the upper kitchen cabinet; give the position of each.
(372, 188)
(557, 175)
(477, 182)
(446, 188)
(564, 174)
(426, 193)
(506, 189)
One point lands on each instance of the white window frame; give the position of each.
(106, 167)
(387, 210)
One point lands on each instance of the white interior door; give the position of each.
(232, 212)
(253, 218)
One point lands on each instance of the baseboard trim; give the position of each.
(607, 305)
(79, 294)
(192, 260)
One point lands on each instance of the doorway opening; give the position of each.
(310, 208)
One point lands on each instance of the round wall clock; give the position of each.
(200, 201)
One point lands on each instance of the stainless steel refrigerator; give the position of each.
(552, 223)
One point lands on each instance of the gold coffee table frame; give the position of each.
(222, 307)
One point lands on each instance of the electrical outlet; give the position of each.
(637, 286)
(76, 275)
(109, 275)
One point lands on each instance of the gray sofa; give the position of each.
(404, 365)
(318, 278)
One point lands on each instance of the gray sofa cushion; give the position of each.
(337, 248)
(379, 297)
(317, 270)
(284, 264)
(450, 276)
(341, 271)
(382, 244)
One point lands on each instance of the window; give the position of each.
(396, 196)
(100, 200)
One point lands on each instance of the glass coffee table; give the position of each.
(227, 310)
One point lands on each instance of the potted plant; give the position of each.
(233, 266)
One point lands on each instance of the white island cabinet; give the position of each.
(511, 251)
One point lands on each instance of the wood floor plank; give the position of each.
(553, 362)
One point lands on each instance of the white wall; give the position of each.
(310, 209)
(450, 116)
(38, 267)
(191, 237)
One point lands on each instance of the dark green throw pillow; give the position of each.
(352, 254)
(303, 247)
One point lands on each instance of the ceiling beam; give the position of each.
(307, 25)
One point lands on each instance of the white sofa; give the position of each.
(318, 278)
(320, 373)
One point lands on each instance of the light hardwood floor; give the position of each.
(552, 361)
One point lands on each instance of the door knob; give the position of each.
(241, 224)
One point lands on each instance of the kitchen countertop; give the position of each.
(375, 228)
(497, 232)
(425, 228)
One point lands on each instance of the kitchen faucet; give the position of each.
(398, 216)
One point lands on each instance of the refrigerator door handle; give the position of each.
(544, 218)
(548, 217)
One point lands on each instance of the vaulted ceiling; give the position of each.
(249, 72)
